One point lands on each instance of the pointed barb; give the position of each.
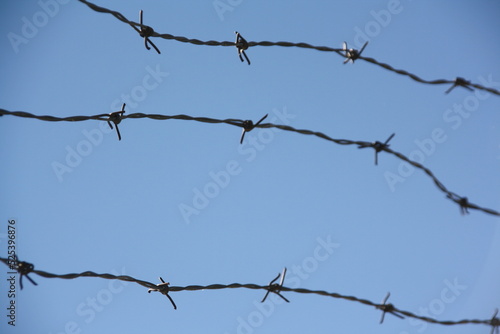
(362, 48)
(118, 132)
(283, 273)
(495, 323)
(463, 202)
(352, 54)
(389, 139)
(242, 136)
(260, 120)
(386, 298)
(265, 297)
(378, 146)
(23, 268)
(276, 287)
(171, 301)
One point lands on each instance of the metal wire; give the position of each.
(460, 200)
(341, 52)
(393, 309)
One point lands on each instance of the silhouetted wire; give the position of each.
(339, 51)
(251, 286)
(461, 201)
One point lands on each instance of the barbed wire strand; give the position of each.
(460, 200)
(341, 52)
(251, 286)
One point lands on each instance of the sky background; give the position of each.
(116, 207)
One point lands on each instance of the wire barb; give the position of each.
(164, 289)
(460, 82)
(116, 118)
(276, 287)
(378, 146)
(249, 126)
(387, 308)
(146, 32)
(352, 54)
(23, 268)
(495, 323)
(241, 45)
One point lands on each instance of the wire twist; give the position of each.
(23, 268)
(146, 32)
(116, 118)
(276, 287)
(493, 322)
(388, 308)
(163, 288)
(349, 54)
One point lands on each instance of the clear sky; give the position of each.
(185, 201)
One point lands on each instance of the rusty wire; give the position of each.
(458, 81)
(385, 308)
(462, 201)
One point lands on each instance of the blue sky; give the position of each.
(279, 200)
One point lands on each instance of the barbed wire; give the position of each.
(352, 54)
(25, 268)
(248, 125)
(164, 288)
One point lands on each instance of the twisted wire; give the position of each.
(340, 52)
(238, 122)
(252, 286)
